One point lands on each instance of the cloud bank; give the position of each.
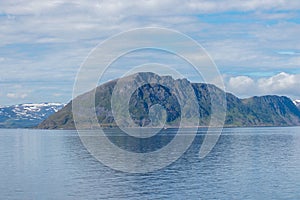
(43, 43)
(279, 84)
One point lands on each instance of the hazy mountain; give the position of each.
(255, 111)
(26, 115)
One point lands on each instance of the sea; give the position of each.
(246, 163)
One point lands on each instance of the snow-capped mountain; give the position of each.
(26, 115)
(297, 103)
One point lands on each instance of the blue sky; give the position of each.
(255, 43)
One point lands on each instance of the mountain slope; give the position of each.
(26, 115)
(255, 111)
(273, 109)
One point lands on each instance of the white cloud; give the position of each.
(137, 7)
(279, 84)
(16, 95)
(57, 94)
(44, 42)
(242, 84)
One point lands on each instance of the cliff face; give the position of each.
(255, 111)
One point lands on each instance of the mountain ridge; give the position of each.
(26, 115)
(269, 110)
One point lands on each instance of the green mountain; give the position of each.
(255, 111)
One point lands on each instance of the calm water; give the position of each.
(246, 163)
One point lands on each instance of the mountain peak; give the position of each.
(269, 110)
(26, 115)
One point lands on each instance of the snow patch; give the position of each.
(297, 103)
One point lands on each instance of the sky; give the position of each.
(255, 44)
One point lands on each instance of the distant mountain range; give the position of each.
(267, 110)
(26, 115)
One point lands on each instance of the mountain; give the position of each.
(26, 115)
(297, 103)
(267, 110)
